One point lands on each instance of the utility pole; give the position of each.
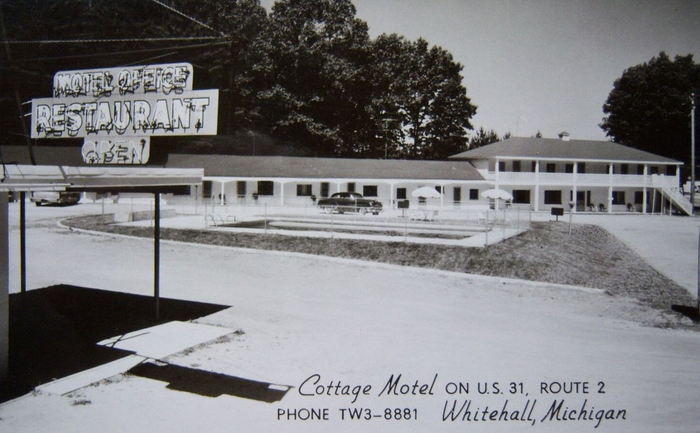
(692, 150)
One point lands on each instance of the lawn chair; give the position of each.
(220, 220)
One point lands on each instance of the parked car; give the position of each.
(61, 198)
(350, 202)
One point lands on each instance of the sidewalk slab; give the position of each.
(82, 379)
(159, 341)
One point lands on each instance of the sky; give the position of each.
(541, 65)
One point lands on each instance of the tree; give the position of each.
(483, 138)
(306, 76)
(419, 88)
(649, 106)
(316, 57)
(229, 62)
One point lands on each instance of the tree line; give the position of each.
(306, 74)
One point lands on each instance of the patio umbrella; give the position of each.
(427, 192)
(497, 194)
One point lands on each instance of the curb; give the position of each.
(343, 260)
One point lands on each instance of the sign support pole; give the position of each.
(156, 253)
(692, 152)
(4, 290)
(22, 242)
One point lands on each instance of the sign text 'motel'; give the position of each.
(164, 79)
(131, 101)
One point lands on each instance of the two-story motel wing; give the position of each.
(591, 175)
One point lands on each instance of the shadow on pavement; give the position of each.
(208, 383)
(53, 330)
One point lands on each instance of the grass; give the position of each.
(589, 257)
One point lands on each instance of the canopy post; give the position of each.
(156, 253)
(22, 242)
(4, 290)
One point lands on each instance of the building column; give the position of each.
(610, 186)
(496, 171)
(392, 187)
(537, 186)
(644, 193)
(574, 189)
(497, 185)
(442, 195)
(282, 193)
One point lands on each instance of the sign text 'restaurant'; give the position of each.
(188, 113)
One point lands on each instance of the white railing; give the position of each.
(584, 179)
(673, 193)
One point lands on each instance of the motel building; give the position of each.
(540, 173)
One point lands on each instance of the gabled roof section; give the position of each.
(532, 147)
(324, 168)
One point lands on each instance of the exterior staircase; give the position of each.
(678, 199)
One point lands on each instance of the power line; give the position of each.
(90, 41)
(112, 53)
(195, 20)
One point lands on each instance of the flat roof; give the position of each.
(16, 177)
(533, 147)
(324, 168)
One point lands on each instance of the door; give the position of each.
(583, 198)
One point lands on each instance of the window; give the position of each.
(304, 190)
(457, 194)
(516, 166)
(181, 190)
(266, 187)
(400, 193)
(473, 194)
(369, 190)
(551, 167)
(240, 188)
(670, 170)
(638, 197)
(581, 167)
(569, 168)
(351, 186)
(653, 170)
(534, 166)
(552, 197)
(624, 168)
(609, 167)
(501, 166)
(640, 169)
(206, 188)
(618, 197)
(324, 189)
(521, 196)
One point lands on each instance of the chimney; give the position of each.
(564, 136)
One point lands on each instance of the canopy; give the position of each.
(427, 192)
(497, 194)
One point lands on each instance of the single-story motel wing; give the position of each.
(540, 173)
